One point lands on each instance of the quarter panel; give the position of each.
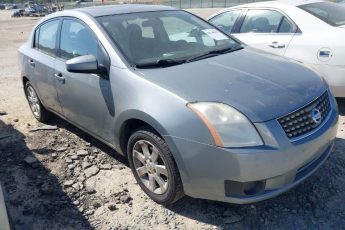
(23, 59)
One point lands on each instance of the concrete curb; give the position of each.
(4, 222)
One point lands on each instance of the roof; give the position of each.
(278, 3)
(96, 11)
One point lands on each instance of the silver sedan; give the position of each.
(195, 111)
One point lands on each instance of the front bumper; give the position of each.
(246, 175)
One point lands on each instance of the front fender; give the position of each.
(144, 117)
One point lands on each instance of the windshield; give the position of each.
(165, 37)
(331, 13)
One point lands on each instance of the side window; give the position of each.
(226, 20)
(47, 37)
(286, 26)
(76, 40)
(265, 21)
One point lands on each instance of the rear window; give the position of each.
(331, 13)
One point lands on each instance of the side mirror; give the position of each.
(83, 64)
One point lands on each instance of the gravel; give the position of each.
(82, 153)
(3, 113)
(86, 164)
(61, 149)
(111, 206)
(30, 160)
(68, 183)
(232, 219)
(105, 166)
(93, 170)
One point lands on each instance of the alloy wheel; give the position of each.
(150, 166)
(33, 101)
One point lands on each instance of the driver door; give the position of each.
(84, 97)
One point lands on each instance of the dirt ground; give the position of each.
(65, 179)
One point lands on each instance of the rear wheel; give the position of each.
(37, 109)
(154, 167)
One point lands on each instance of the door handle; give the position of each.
(277, 45)
(31, 62)
(60, 78)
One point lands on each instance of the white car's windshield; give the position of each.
(165, 38)
(331, 13)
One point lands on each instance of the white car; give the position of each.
(311, 32)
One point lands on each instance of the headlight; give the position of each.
(229, 127)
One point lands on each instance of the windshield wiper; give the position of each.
(161, 63)
(213, 53)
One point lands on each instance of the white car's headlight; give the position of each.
(229, 127)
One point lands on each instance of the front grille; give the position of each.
(301, 121)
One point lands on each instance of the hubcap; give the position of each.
(33, 101)
(150, 167)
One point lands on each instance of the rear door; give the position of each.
(266, 29)
(86, 99)
(41, 63)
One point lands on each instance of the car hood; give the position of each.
(260, 85)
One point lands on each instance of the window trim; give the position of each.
(34, 42)
(296, 28)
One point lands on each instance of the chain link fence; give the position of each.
(182, 4)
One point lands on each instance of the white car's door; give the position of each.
(266, 29)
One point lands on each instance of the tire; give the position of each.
(35, 104)
(156, 166)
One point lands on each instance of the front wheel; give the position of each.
(154, 167)
(37, 109)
